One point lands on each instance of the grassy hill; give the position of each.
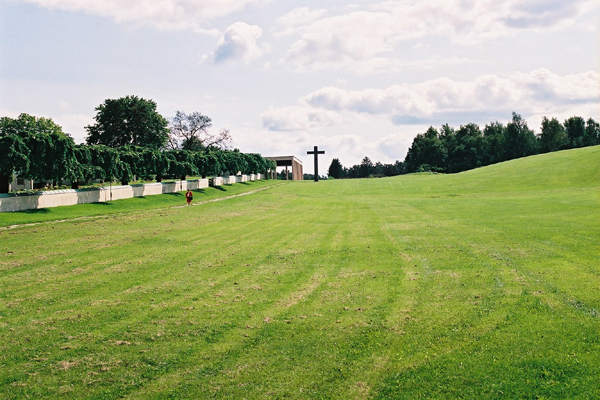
(482, 284)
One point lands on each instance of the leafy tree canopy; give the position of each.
(37, 148)
(128, 120)
(553, 136)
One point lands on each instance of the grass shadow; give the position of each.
(102, 203)
(221, 188)
(177, 194)
(35, 211)
(201, 191)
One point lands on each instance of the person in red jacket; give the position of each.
(189, 196)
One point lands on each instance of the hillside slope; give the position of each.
(576, 168)
(562, 170)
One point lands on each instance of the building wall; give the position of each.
(297, 171)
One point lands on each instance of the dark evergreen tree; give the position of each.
(335, 169)
(366, 168)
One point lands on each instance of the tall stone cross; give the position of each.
(316, 152)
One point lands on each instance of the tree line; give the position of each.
(129, 139)
(366, 169)
(452, 150)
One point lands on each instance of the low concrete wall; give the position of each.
(229, 180)
(56, 198)
(216, 181)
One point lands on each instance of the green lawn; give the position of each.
(129, 205)
(483, 284)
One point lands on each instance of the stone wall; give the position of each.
(56, 198)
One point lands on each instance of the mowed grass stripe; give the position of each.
(279, 313)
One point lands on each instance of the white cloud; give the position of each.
(297, 118)
(161, 14)
(443, 95)
(239, 42)
(299, 17)
(395, 146)
(64, 105)
(5, 112)
(379, 65)
(529, 93)
(367, 34)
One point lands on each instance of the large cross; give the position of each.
(316, 152)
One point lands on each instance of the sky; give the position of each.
(356, 79)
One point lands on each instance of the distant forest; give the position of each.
(452, 150)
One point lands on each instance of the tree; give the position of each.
(520, 141)
(393, 169)
(366, 167)
(335, 169)
(234, 162)
(99, 162)
(15, 157)
(254, 162)
(182, 163)
(467, 151)
(132, 163)
(553, 136)
(494, 135)
(427, 148)
(128, 120)
(190, 132)
(575, 128)
(592, 133)
(212, 163)
(50, 151)
(156, 163)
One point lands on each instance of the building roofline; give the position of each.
(284, 158)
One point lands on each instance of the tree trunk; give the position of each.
(124, 182)
(75, 185)
(5, 183)
(158, 178)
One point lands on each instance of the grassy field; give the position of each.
(483, 284)
(127, 206)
